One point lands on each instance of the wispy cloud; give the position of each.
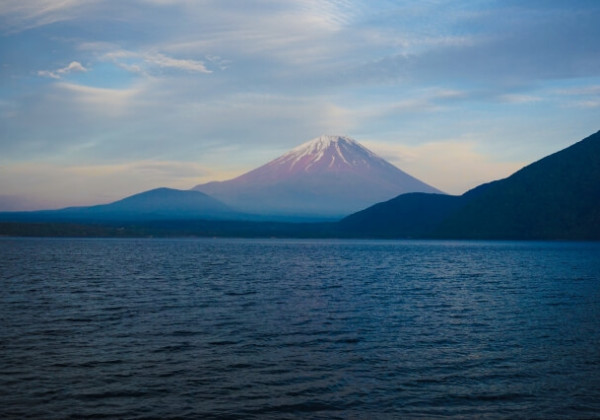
(581, 90)
(73, 67)
(589, 104)
(513, 98)
(272, 34)
(18, 15)
(162, 60)
(149, 63)
(585, 97)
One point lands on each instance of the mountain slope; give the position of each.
(327, 176)
(557, 197)
(159, 203)
(408, 215)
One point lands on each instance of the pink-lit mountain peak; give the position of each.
(329, 175)
(323, 145)
(324, 154)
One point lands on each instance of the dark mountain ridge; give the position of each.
(557, 197)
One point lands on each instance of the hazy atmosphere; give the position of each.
(100, 99)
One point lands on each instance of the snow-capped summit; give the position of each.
(326, 176)
(327, 153)
(320, 145)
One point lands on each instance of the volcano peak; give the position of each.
(328, 175)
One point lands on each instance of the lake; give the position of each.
(241, 328)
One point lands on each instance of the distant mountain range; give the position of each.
(327, 176)
(156, 204)
(557, 197)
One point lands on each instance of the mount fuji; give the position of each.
(329, 176)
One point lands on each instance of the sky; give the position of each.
(101, 99)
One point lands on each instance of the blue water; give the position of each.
(224, 328)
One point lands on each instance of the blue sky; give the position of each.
(100, 99)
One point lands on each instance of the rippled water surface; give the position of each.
(219, 328)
